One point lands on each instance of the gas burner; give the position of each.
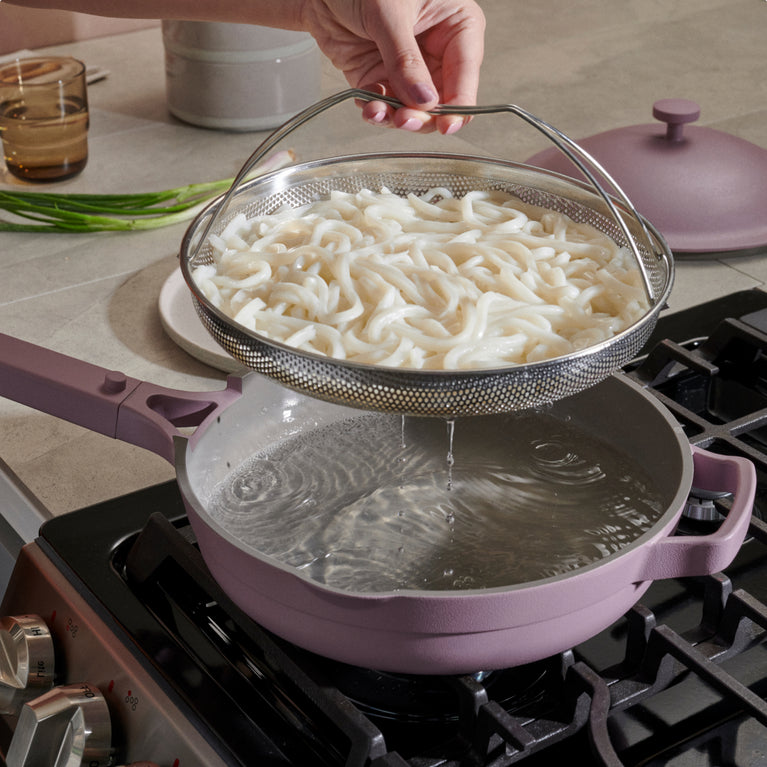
(717, 390)
(429, 714)
(705, 511)
(418, 699)
(422, 712)
(701, 505)
(717, 382)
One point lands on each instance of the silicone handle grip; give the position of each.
(681, 556)
(104, 401)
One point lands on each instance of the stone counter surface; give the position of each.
(596, 65)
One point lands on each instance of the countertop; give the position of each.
(599, 64)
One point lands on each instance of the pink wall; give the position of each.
(33, 28)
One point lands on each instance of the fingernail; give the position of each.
(453, 127)
(378, 118)
(412, 124)
(423, 93)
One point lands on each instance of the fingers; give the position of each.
(406, 118)
(431, 55)
(377, 113)
(408, 75)
(461, 65)
(423, 52)
(462, 57)
(382, 114)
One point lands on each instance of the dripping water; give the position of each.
(450, 458)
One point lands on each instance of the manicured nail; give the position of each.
(378, 118)
(453, 127)
(412, 124)
(423, 93)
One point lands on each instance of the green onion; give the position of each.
(62, 212)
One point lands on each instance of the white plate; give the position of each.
(181, 323)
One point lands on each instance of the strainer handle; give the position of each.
(577, 155)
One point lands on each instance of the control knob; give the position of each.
(26, 660)
(65, 727)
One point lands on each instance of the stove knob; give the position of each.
(26, 660)
(68, 725)
(26, 652)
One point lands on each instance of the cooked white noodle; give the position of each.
(430, 282)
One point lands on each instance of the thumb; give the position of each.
(406, 70)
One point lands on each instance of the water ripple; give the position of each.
(354, 506)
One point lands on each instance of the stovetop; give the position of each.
(680, 680)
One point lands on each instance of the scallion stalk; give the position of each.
(73, 212)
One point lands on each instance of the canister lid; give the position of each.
(703, 189)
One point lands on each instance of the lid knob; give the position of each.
(675, 113)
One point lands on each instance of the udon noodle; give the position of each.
(431, 282)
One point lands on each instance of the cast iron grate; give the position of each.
(297, 688)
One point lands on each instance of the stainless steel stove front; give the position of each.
(146, 725)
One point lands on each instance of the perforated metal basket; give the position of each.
(418, 392)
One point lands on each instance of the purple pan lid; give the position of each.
(703, 189)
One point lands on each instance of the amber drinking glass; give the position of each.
(44, 117)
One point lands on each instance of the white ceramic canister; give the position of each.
(238, 77)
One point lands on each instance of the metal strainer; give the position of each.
(418, 392)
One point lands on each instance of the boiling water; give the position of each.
(364, 506)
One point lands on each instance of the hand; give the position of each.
(423, 52)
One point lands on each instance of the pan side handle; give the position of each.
(62, 386)
(684, 556)
(152, 416)
(105, 401)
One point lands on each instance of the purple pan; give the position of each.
(421, 632)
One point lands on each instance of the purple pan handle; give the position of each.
(682, 556)
(105, 401)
